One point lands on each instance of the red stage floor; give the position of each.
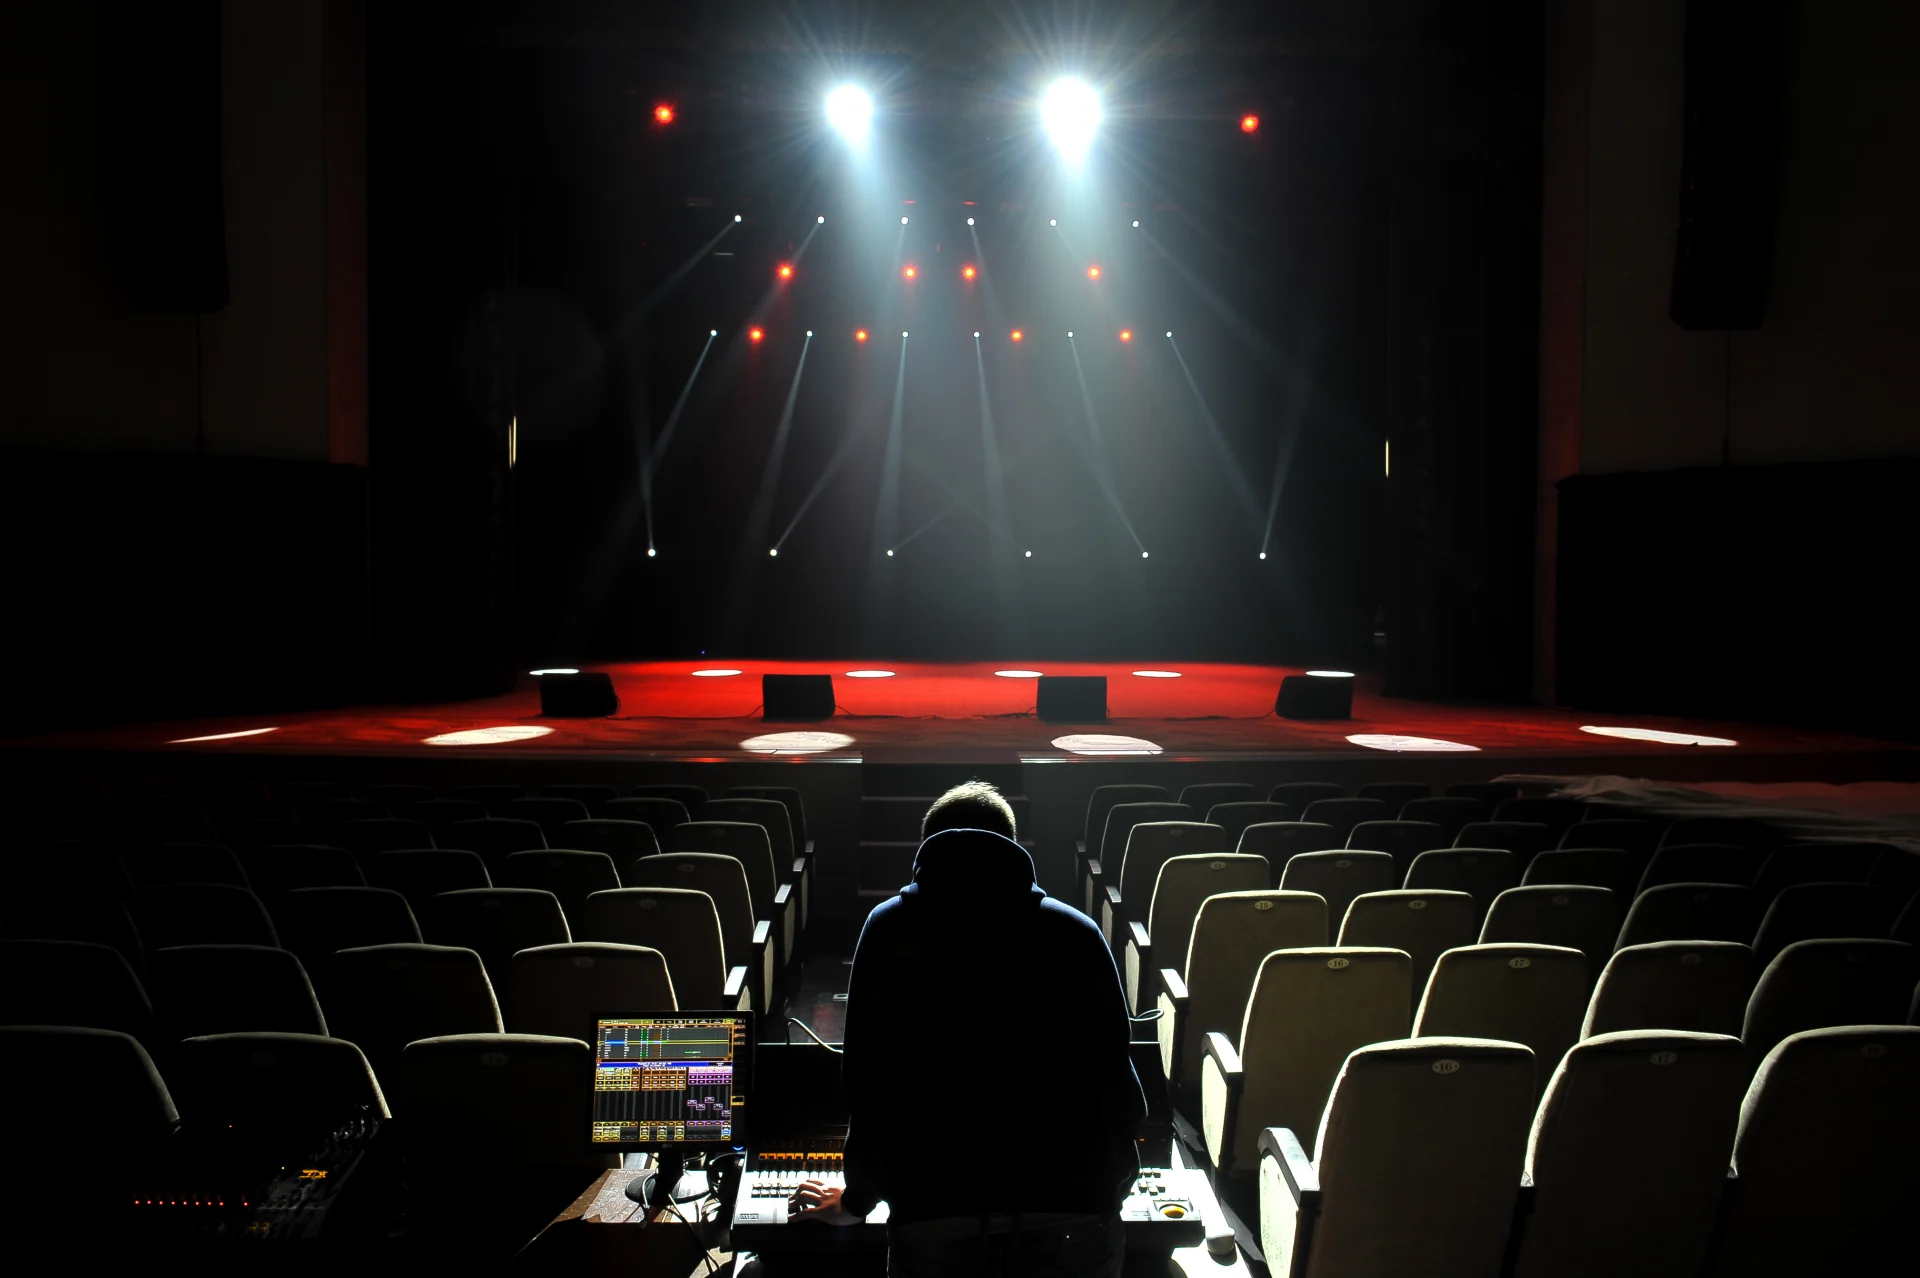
(963, 712)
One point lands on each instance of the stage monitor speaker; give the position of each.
(578, 696)
(802, 698)
(1733, 91)
(1073, 698)
(1320, 694)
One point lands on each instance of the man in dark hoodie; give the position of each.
(993, 1101)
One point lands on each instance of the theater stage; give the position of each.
(965, 714)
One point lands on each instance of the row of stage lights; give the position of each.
(784, 272)
(1070, 111)
(1018, 336)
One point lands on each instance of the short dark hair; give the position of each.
(972, 805)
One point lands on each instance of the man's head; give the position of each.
(972, 806)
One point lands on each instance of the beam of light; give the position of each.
(1070, 113)
(223, 736)
(761, 512)
(850, 112)
(633, 318)
(1236, 476)
(1102, 472)
(944, 511)
(886, 523)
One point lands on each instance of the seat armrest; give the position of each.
(736, 985)
(1221, 1051)
(1302, 1178)
(798, 868)
(1079, 847)
(1289, 1202)
(1172, 1029)
(782, 894)
(1137, 971)
(762, 932)
(1138, 931)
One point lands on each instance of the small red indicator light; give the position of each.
(663, 113)
(1126, 335)
(1019, 336)
(754, 335)
(859, 334)
(1249, 124)
(1093, 272)
(784, 270)
(910, 272)
(967, 272)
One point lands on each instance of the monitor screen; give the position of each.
(671, 1079)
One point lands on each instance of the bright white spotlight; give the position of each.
(1069, 332)
(1136, 224)
(976, 334)
(903, 332)
(1029, 554)
(651, 552)
(1169, 334)
(903, 219)
(774, 553)
(713, 332)
(736, 217)
(809, 332)
(822, 221)
(1263, 554)
(969, 221)
(1053, 221)
(1071, 112)
(1143, 554)
(850, 112)
(889, 554)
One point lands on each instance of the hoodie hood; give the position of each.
(972, 864)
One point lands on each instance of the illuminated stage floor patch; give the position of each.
(1659, 736)
(1393, 741)
(796, 743)
(489, 736)
(1102, 743)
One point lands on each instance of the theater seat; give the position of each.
(495, 923)
(1558, 815)
(68, 1071)
(276, 871)
(550, 814)
(1452, 813)
(1101, 868)
(1343, 814)
(1817, 984)
(792, 859)
(276, 1086)
(1816, 911)
(203, 914)
(1232, 934)
(1629, 1154)
(1126, 896)
(570, 875)
(1203, 795)
(1700, 863)
(1702, 986)
(747, 940)
(1402, 840)
(1416, 1169)
(685, 927)
(1396, 795)
(690, 797)
(493, 798)
(71, 914)
(1797, 863)
(1532, 994)
(1609, 868)
(422, 875)
(1482, 873)
(383, 997)
(1308, 1010)
(563, 989)
(225, 989)
(1298, 794)
(771, 897)
(1339, 877)
(495, 839)
(1690, 912)
(1184, 883)
(381, 834)
(1522, 838)
(159, 864)
(317, 922)
(1234, 818)
(1425, 924)
(1625, 833)
(1280, 841)
(72, 983)
(658, 815)
(1580, 918)
(1824, 1156)
(1103, 800)
(624, 841)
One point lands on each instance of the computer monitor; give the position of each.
(672, 1082)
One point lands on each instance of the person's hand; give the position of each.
(817, 1200)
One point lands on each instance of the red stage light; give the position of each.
(1249, 124)
(910, 272)
(1093, 272)
(663, 113)
(859, 334)
(967, 272)
(1126, 335)
(785, 270)
(1019, 336)
(754, 335)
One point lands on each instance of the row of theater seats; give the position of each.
(492, 1136)
(514, 893)
(1654, 1153)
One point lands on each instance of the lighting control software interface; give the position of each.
(667, 1080)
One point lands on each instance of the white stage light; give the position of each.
(796, 742)
(903, 332)
(889, 554)
(488, 736)
(1136, 224)
(1071, 112)
(969, 221)
(547, 670)
(1396, 742)
(1263, 554)
(1053, 221)
(822, 221)
(809, 332)
(1104, 743)
(774, 553)
(850, 112)
(1169, 334)
(736, 217)
(976, 334)
(1143, 554)
(651, 552)
(1069, 332)
(1029, 554)
(1659, 736)
(903, 219)
(713, 332)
